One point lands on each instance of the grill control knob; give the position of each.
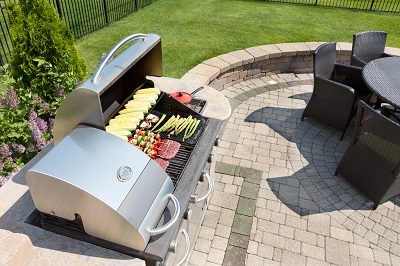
(202, 176)
(210, 158)
(216, 142)
(173, 246)
(193, 198)
(187, 214)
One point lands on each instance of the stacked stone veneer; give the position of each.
(225, 70)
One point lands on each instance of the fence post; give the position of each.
(59, 9)
(105, 10)
(372, 4)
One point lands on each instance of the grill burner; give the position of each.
(197, 105)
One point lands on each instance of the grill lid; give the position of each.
(93, 160)
(99, 97)
(117, 190)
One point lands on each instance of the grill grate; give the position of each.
(178, 163)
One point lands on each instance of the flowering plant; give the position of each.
(45, 66)
(26, 121)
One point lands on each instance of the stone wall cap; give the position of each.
(286, 49)
(219, 63)
(206, 70)
(301, 48)
(345, 48)
(196, 78)
(258, 53)
(272, 50)
(313, 45)
(392, 51)
(232, 60)
(243, 55)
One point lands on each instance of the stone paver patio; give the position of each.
(276, 199)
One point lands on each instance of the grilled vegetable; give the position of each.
(145, 125)
(128, 127)
(184, 125)
(134, 103)
(146, 141)
(148, 91)
(143, 110)
(128, 120)
(159, 121)
(169, 124)
(137, 115)
(138, 105)
(118, 132)
(149, 100)
(152, 118)
(191, 131)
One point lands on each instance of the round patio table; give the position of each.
(382, 76)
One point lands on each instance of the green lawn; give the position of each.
(193, 31)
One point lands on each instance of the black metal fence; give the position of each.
(5, 39)
(372, 5)
(85, 16)
(81, 16)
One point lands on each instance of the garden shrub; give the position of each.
(39, 34)
(45, 66)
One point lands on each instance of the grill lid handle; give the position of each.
(96, 76)
(174, 219)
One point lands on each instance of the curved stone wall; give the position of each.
(227, 69)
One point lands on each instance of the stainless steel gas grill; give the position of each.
(99, 188)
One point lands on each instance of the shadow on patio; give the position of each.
(312, 188)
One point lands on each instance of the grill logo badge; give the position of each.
(124, 173)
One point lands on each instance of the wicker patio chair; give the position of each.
(336, 90)
(372, 159)
(367, 46)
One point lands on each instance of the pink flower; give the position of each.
(31, 148)
(13, 99)
(40, 103)
(3, 180)
(51, 124)
(5, 152)
(38, 127)
(18, 147)
(60, 92)
(3, 100)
